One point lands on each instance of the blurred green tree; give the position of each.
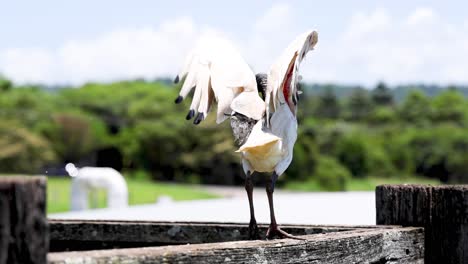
(449, 106)
(331, 175)
(328, 105)
(74, 135)
(351, 151)
(359, 105)
(305, 155)
(382, 115)
(5, 84)
(382, 95)
(23, 151)
(416, 108)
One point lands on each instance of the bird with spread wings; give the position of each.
(264, 125)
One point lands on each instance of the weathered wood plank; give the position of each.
(449, 225)
(397, 245)
(71, 235)
(441, 210)
(406, 205)
(23, 222)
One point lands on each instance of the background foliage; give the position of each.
(345, 132)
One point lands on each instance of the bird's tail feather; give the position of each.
(259, 139)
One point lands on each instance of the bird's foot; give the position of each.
(253, 230)
(275, 231)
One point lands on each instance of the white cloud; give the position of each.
(144, 52)
(127, 53)
(421, 47)
(28, 65)
(378, 45)
(275, 18)
(362, 24)
(421, 16)
(270, 35)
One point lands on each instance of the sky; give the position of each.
(360, 42)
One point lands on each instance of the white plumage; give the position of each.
(216, 68)
(218, 73)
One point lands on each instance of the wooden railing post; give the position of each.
(23, 223)
(441, 210)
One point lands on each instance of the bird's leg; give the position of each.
(273, 229)
(253, 228)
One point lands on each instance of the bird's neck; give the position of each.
(262, 79)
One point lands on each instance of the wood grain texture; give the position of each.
(67, 235)
(392, 245)
(441, 210)
(405, 205)
(23, 222)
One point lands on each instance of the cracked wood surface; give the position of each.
(72, 235)
(441, 210)
(362, 245)
(23, 222)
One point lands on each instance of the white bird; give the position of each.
(265, 129)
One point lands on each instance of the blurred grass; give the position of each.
(144, 191)
(363, 184)
(140, 192)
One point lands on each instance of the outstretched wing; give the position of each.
(218, 73)
(283, 76)
(281, 104)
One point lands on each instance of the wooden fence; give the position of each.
(441, 210)
(415, 224)
(220, 243)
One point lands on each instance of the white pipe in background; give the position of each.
(87, 179)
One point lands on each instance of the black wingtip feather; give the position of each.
(176, 80)
(179, 99)
(199, 118)
(190, 114)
